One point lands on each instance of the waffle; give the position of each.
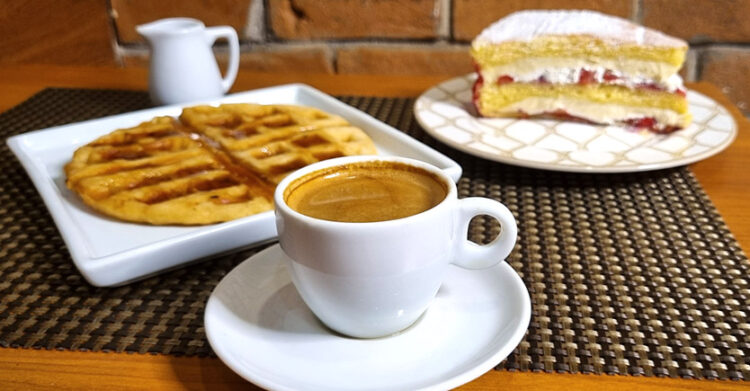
(215, 165)
(274, 140)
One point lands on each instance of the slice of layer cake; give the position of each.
(580, 65)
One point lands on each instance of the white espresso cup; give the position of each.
(373, 279)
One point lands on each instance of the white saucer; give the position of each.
(260, 327)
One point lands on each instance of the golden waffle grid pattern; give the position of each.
(163, 172)
(156, 173)
(628, 274)
(274, 140)
(446, 112)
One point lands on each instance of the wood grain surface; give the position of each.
(55, 370)
(725, 178)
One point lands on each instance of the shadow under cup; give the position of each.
(371, 279)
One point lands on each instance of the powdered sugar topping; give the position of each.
(527, 25)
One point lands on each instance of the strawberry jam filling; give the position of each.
(475, 92)
(650, 123)
(504, 79)
(644, 123)
(586, 77)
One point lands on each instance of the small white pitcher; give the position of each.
(183, 67)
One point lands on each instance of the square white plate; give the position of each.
(110, 252)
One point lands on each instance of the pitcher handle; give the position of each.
(227, 32)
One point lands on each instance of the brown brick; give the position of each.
(65, 32)
(729, 68)
(130, 13)
(308, 59)
(404, 60)
(470, 17)
(315, 59)
(700, 21)
(305, 19)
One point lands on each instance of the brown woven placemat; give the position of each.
(628, 274)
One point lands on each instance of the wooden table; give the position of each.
(725, 178)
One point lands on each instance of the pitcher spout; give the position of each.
(169, 26)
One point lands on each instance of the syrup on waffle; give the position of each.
(218, 164)
(274, 140)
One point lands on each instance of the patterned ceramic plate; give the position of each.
(446, 112)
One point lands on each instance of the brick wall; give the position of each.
(358, 36)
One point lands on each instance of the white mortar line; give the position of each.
(443, 11)
(636, 15)
(255, 27)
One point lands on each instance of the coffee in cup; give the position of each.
(366, 191)
(369, 239)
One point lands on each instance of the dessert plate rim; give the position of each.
(445, 112)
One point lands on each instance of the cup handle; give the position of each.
(227, 32)
(470, 255)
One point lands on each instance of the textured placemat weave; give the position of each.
(628, 274)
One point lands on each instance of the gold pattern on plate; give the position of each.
(446, 112)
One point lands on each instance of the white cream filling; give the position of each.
(568, 70)
(572, 76)
(603, 113)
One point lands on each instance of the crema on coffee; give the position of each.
(365, 192)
